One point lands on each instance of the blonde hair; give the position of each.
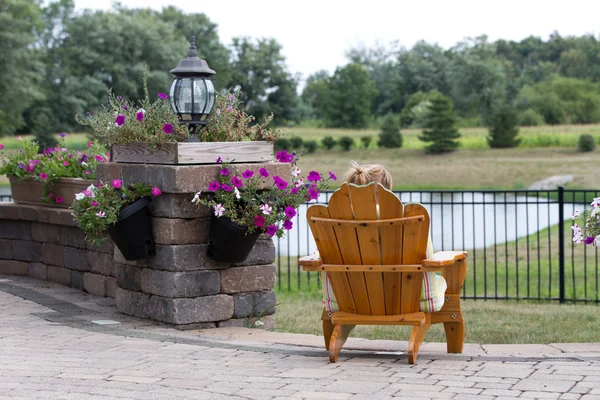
(365, 174)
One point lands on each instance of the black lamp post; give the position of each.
(192, 92)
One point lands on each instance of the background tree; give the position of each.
(440, 130)
(390, 136)
(315, 94)
(504, 128)
(350, 97)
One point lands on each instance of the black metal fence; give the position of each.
(519, 243)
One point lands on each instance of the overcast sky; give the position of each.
(316, 33)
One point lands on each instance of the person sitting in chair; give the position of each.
(434, 285)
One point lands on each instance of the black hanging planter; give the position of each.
(133, 232)
(228, 241)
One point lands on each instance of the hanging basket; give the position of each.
(133, 232)
(228, 241)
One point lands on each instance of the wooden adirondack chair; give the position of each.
(375, 261)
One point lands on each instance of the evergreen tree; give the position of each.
(504, 128)
(390, 136)
(440, 129)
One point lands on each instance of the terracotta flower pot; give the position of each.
(29, 191)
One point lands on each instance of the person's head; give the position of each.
(365, 174)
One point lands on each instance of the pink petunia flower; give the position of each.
(59, 199)
(120, 120)
(94, 204)
(1, 146)
(287, 224)
(259, 221)
(271, 230)
(90, 144)
(66, 163)
(167, 128)
(156, 191)
(117, 183)
(43, 176)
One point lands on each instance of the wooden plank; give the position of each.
(340, 207)
(367, 268)
(364, 204)
(417, 318)
(455, 276)
(207, 152)
(410, 292)
(142, 153)
(446, 316)
(445, 258)
(391, 249)
(329, 251)
(415, 251)
(451, 302)
(378, 224)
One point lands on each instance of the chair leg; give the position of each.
(327, 328)
(455, 336)
(416, 339)
(338, 338)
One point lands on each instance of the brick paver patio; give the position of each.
(59, 343)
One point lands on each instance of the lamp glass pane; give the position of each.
(184, 96)
(211, 96)
(199, 96)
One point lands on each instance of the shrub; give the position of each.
(530, 117)
(328, 142)
(310, 146)
(586, 142)
(366, 141)
(282, 144)
(296, 142)
(503, 129)
(440, 129)
(346, 143)
(390, 136)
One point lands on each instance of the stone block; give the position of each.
(108, 171)
(77, 280)
(131, 173)
(263, 252)
(107, 246)
(32, 213)
(129, 277)
(254, 304)
(111, 287)
(72, 236)
(94, 284)
(59, 216)
(267, 322)
(190, 310)
(38, 271)
(187, 257)
(132, 303)
(9, 211)
(53, 254)
(59, 275)
(100, 263)
(248, 279)
(26, 250)
(45, 233)
(5, 249)
(13, 267)
(180, 231)
(15, 230)
(119, 259)
(180, 284)
(76, 259)
(173, 205)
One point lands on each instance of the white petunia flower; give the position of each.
(596, 202)
(237, 193)
(79, 196)
(299, 183)
(265, 208)
(196, 197)
(101, 214)
(296, 171)
(575, 215)
(219, 210)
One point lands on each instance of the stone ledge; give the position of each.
(49, 215)
(129, 277)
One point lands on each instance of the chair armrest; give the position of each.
(311, 263)
(444, 258)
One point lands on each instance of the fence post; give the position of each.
(561, 243)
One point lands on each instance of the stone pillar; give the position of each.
(181, 285)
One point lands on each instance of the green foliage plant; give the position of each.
(282, 144)
(586, 143)
(440, 132)
(296, 142)
(97, 208)
(52, 164)
(504, 128)
(310, 146)
(590, 221)
(530, 117)
(328, 142)
(366, 141)
(259, 201)
(229, 122)
(346, 143)
(390, 136)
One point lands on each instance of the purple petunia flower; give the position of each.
(226, 187)
(281, 184)
(120, 120)
(271, 230)
(219, 160)
(62, 135)
(214, 186)
(247, 174)
(99, 158)
(287, 224)
(313, 194)
(263, 172)
(21, 165)
(125, 107)
(332, 176)
(224, 171)
(84, 158)
(290, 212)
(295, 190)
(283, 156)
(139, 116)
(313, 176)
(167, 128)
(589, 240)
(237, 182)
(259, 221)
(162, 96)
